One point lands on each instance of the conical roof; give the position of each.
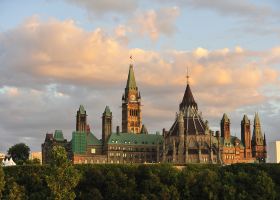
(131, 83)
(245, 119)
(107, 111)
(257, 119)
(188, 99)
(144, 130)
(225, 118)
(82, 109)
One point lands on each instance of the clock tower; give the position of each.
(131, 106)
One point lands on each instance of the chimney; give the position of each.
(118, 130)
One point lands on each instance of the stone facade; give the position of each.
(189, 140)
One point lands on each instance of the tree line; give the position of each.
(62, 180)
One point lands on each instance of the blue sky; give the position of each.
(56, 55)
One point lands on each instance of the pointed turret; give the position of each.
(81, 119)
(264, 140)
(257, 138)
(258, 141)
(82, 109)
(188, 99)
(106, 125)
(245, 119)
(257, 119)
(225, 118)
(225, 127)
(144, 130)
(131, 83)
(107, 111)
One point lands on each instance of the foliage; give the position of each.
(140, 182)
(2, 181)
(20, 153)
(61, 177)
(34, 161)
(13, 191)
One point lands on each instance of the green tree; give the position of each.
(264, 186)
(20, 153)
(14, 191)
(62, 177)
(2, 181)
(35, 161)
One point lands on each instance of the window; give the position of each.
(93, 150)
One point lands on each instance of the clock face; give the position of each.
(132, 97)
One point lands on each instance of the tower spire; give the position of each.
(188, 99)
(187, 75)
(131, 83)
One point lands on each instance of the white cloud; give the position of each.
(53, 66)
(154, 23)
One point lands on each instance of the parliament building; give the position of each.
(189, 140)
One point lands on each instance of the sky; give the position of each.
(58, 54)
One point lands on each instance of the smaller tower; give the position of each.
(246, 137)
(258, 147)
(225, 127)
(81, 119)
(106, 124)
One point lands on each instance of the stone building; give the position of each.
(131, 145)
(190, 140)
(52, 140)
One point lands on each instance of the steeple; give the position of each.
(257, 138)
(188, 99)
(257, 119)
(258, 141)
(131, 83)
(131, 105)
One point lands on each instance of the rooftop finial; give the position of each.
(130, 57)
(187, 75)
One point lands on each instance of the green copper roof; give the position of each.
(80, 141)
(135, 139)
(92, 140)
(131, 83)
(82, 109)
(107, 111)
(58, 135)
(225, 118)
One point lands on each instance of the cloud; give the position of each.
(151, 22)
(48, 68)
(103, 7)
(238, 8)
